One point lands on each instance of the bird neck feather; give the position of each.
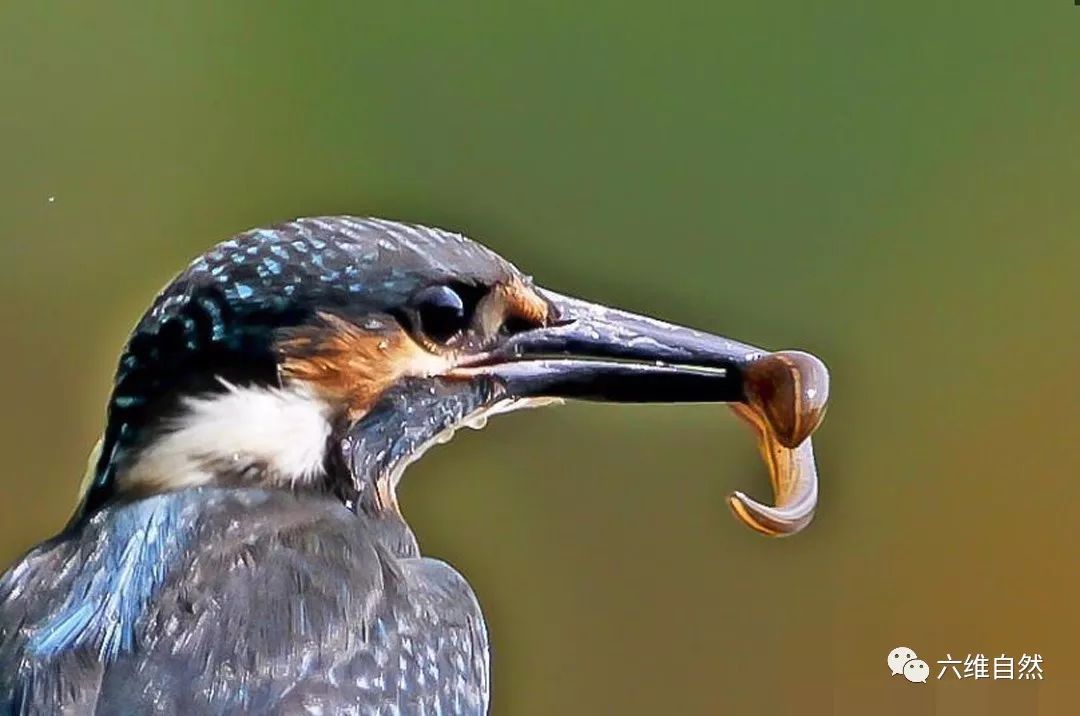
(250, 435)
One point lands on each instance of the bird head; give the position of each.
(327, 354)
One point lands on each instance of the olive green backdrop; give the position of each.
(892, 186)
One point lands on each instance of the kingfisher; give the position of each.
(238, 547)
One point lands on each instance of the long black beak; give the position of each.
(592, 352)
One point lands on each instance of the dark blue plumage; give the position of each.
(170, 605)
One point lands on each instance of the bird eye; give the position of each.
(441, 312)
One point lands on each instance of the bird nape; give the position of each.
(238, 547)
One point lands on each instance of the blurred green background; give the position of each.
(892, 186)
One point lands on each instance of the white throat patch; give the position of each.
(282, 432)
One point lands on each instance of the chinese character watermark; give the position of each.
(976, 667)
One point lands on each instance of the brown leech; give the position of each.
(786, 395)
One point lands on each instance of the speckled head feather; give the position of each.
(221, 319)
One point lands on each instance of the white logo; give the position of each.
(904, 661)
(898, 657)
(917, 671)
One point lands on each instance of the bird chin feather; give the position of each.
(475, 420)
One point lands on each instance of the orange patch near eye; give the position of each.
(351, 366)
(523, 302)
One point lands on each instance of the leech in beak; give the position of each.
(594, 352)
(787, 394)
